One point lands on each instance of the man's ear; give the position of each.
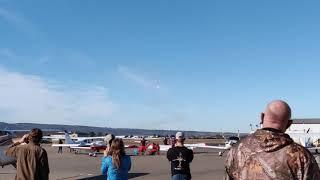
(261, 118)
(289, 123)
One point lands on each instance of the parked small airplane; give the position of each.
(94, 147)
(80, 141)
(228, 145)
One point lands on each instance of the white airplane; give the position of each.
(94, 147)
(229, 143)
(88, 143)
(73, 139)
(189, 146)
(83, 142)
(80, 141)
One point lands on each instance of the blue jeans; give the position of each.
(180, 177)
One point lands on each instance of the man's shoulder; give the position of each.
(245, 140)
(36, 148)
(180, 148)
(297, 149)
(183, 149)
(298, 154)
(244, 144)
(190, 150)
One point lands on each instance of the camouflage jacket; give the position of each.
(270, 155)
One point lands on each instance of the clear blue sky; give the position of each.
(192, 65)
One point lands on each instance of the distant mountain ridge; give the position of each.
(103, 130)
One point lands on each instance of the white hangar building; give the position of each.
(303, 125)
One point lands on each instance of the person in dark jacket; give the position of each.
(60, 147)
(180, 158)
(32, 160)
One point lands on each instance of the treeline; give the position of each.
(101, 131)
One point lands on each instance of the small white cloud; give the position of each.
(29, 98)
(138, 78)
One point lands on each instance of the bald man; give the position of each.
(269, 153)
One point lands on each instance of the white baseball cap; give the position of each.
(179, 135)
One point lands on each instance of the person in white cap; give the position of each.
(180, 158)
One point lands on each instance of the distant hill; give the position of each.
(102, 130)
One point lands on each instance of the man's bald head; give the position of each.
(277, 115)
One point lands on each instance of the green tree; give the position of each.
(92, 134)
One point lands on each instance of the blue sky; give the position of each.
(205, 65)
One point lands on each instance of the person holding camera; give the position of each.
(32, 160)
(180, 158)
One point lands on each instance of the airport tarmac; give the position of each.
(206, 165)
(68, 166)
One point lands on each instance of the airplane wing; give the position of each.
(203, 145)
(195, 145)
(167, 147)
(90, 138)
(65, 145)
(80, 147)
(97, 147)
(164, 147)
(212, 147)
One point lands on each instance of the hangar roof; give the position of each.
(306, 121)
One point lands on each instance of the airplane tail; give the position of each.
(68, 140)
(303, 142)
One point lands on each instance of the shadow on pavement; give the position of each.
(103, 177)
